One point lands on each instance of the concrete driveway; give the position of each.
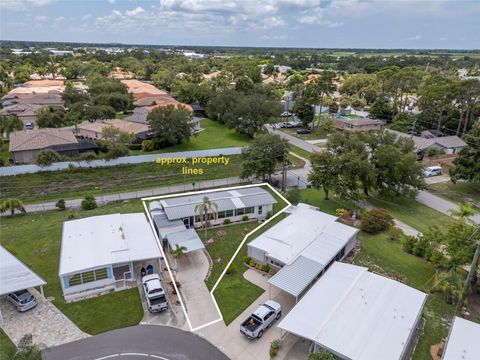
(191, 273)
(137, 343)
(48, 325)
(237, 346)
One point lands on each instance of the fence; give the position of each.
(138, 159)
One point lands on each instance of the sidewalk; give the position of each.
(103, 199)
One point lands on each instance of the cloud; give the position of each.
(135, 12)
(60, 18)
(40, 18)
(86, 17)
(111, 1)
(415, 37)
(24, 5)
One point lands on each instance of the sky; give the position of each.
(405, 24)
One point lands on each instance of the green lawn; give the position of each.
(387, 257)
(214, 136)
(7, 348)
(35, 239)
(459, 192)
(76, 183)
(315, 198)
(411, 212)
(234, 293)
(303, 153)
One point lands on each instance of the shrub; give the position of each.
(148, 145)
(71, 216)
(293, 195)
(134, 146)
(116, 150)
(272, 271)
(226, 221)
(274, 347)
(231, 269)
(376, 221)
(89, 156)
(340, 212)
(434, 152)
(252, 263)
(321, 355)
(409, 244)
(60, 204)
(258, 266)
(394, 233)
(71, 167)
(269, 214)
(247, 259)
(265, 268)
(102, 145)
(48, 157)
(89, 203)
(245, 218)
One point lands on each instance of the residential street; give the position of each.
(294, 140)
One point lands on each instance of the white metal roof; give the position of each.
(184, 206)
(15, 275)
(306, 231)
(463, 341)
(357, 314)
(104, 240)
(187, 238)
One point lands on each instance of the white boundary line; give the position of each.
(144, 200)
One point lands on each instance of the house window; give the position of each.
(221, 215)
(340, 254)
(229, 213)
(240, 211)
(88, 276)
(260, 209)
(249, 210)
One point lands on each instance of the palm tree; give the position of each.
(204, 209)
(12, 205)
(9, 124)
(177, 253)
(451, 284)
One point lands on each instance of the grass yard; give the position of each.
(303, 153)
(234, 293)
(411, 212)
(459, 192)
(7, 347)
(387, 257)
(35, 239)
(78, 182)
(315, 197)
(214, 136)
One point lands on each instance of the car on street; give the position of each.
(286, 114)
(23, 300)
(432, 171)
(261, 319)
(154, 293)
(303, 131)
(29, 126)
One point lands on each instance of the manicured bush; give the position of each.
(244, 217)
(274, 347)
(247, 259)
(231, 269)
(89, 156)
(293, 195)
(258, 266)
(48, 157)
(376, 221)
(226, 221)
(60, 204)
(148, 145)
(252, 263)
(134, 146)
(89, 203)
(265, 268)
(409, 244)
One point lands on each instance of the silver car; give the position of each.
(23, 300)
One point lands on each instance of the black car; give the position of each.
(303, 131)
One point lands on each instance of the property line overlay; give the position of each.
(207, 191)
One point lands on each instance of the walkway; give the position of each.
(47, 324)
(138, 194)
(294, 140)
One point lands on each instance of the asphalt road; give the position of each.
(294, 140)
(138, 343)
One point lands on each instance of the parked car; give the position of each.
(432, 171)
(29, 126)
(281, 124)
(286, 114)
(303, 131)
(154, 293)
(261, 319)
(23, 300)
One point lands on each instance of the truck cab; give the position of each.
(154, 293)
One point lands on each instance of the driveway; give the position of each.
(138, 343)
(437, 179)
(192, 271)
(48, 325)
(237, 346)
(294, 140)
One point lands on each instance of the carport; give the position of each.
(16, 276)
(188, 239)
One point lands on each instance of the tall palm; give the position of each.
(9, 124)
(12, 205)
(178, 253)
(204, 209)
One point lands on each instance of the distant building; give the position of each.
(25, 145)
(446, 144)
(282, 68)
(356, 125)
(351, 111)
(94, 130)
(61, 52)
(25, 112)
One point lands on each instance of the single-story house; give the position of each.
(94, 130)
(302, 246)
(26, 113)
(351, 111)
(139, 115)
(16, 276)
(25, 145)
(358, 315)
(463, 341)
(105, 253)
(348, 124)
(233, 205)
(448, 144)
(49, 99)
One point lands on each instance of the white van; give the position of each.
(432, 171)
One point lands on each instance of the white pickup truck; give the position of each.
(154, 293)
(261, 319)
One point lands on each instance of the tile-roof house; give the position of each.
(94, 130)
(25, 145)
(25, 112)
(354, 125)
(448, 144)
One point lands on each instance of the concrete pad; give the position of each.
(192, 270)
(47, 324)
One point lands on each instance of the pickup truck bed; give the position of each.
(251, 326)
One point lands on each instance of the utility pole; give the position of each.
(284, 168)
(473, 269)
(413, 127)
